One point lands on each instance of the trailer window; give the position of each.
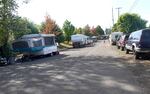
(37, 43)
(20, 44)
(49, 41)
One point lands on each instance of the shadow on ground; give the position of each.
(69, 75)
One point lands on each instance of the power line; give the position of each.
(133, 5)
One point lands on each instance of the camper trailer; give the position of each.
(79, 40)
(36, 44)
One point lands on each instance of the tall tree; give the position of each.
(7, 13)
(93, 31)
(115, 27)
(59, 35)
(78, 30)
(99, 30)
(128, 23)
(48, 27)
(22, 26)
(68, 29)
(86, 30)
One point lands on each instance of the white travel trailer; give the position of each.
(36, 44)
(79, 40)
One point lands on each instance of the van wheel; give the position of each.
(127, 51)
(57, 53)
(136, 54)
(118, 47)
(54, 53)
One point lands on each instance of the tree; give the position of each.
(60, 35)
(48, 27)
(78, 30)
(99, 30)
(22, 26)
(32, 27)
(68, 29)
(128, 23)
(86, 30)
(7, 13)
(115, 27)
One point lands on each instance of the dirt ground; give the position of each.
(98, 69)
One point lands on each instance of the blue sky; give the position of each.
(82, 12)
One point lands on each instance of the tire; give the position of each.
(118, 47)
(136, 54)
(54, 53)
(127, 51)
(58, 53)
(122, 48)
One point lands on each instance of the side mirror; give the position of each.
(57, 44)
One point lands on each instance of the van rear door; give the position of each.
(145, 39)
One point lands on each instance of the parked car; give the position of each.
(122, 41)
(139, 43)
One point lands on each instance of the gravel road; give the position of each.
(92, 70)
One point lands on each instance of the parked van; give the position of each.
(139, 42)
(114, 37)
(36, 44)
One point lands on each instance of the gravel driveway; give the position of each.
(91, 70)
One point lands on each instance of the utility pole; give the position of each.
(118, 11)
(112, 16)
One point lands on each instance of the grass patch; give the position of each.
(65, 45)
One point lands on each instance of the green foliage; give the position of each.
(99, 30)
(22, 26)
(115, 28)
(32, 27)
(7, 13)
(68, 29)
(59, 34)
(78, 31)
(86, 30)
(128, 23)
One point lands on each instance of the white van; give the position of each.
(114, 36)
